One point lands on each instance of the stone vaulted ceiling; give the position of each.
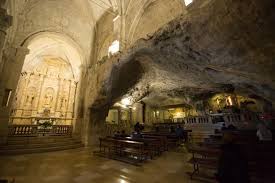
(226, 44)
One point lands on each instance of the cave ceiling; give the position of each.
(226, 44)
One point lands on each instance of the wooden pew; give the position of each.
(203, 157)
(171, 139)
(259, 156)
(117, 148)
(153, 145)
(162, 139)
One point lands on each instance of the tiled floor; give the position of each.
(81, 166)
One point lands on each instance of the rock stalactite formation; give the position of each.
(224, 43)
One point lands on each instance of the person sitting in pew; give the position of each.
(224, 127)
(263, 133)
(138, 127)
(179, 132)
(232, 166)
(137, 134)
(231, 127)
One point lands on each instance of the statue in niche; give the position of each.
(48, 98)
(63, 103)
(30, 97)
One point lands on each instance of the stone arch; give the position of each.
(60, 35)
(61, 50)
(74, 53)
(136, 20)
(172, 10)
(104, 34)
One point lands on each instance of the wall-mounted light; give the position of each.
(218, 101)
(229, 99)
(125, 101)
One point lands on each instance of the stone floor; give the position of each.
(81, 166)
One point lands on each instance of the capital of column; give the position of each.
(12, 53)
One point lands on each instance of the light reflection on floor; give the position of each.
(81, 166)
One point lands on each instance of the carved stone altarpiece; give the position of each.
(45, 90)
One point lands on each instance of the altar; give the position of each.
(45, 92)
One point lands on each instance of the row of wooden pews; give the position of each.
(135, 150)
(117, 149)
(259, 155)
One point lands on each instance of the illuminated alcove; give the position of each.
(49, 83)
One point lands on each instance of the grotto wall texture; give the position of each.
(224, 44)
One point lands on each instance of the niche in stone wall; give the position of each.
(46, 89)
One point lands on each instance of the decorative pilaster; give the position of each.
(5, 23)
(9, 77)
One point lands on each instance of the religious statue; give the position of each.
(30, 97)
(63, 103)
(48, 99)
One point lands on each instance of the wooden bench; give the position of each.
(162, 139)
(203, 157)
(171, 141)
(153, 145)
(260, 160)
(123, 148)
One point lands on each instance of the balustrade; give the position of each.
(23, 130)
(227, 118)
(34, 130)
(61, 130)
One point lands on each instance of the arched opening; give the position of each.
(48, 87)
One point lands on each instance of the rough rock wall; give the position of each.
(224, 44)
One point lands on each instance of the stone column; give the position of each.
(13, 63)
(95, 127)
(5, 23)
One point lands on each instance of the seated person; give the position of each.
(179, 132)
(231, 127)
(136, 135)
(224, 127)
(137, 127)
(263, 133)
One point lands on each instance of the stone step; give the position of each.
(35, 140)
(39, 145)
(40, 150)
(15, 138)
